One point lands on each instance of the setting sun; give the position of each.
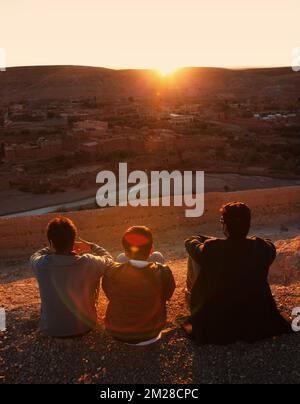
(167, 70)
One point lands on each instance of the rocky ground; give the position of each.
(28, 357)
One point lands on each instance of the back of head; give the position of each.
(61, 233)
(237, 218)
(137, 242)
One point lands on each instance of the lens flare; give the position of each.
(167, 70)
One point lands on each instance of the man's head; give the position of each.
(138, 242)
(236, 219)
(61, 233)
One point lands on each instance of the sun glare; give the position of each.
(167, 70)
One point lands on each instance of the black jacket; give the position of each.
(231, 299)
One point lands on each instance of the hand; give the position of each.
(81, 247)
(203, 238)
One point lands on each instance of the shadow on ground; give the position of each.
(28, 357)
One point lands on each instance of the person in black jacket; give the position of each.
(231, 299)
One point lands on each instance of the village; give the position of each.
(69, 140)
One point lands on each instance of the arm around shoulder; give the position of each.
(101, 258)
(100, 252)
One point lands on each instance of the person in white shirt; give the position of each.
(68, 274)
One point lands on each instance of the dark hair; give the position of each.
(237, 217)
(137, 242)
(62, 232)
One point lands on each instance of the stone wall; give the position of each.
(286, 267)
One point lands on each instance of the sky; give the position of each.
(160, 34)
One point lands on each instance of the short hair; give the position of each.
(62, 232)
(137, 242)
(237, 217)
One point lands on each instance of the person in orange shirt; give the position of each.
(137, 289)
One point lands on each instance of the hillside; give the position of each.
(26, 356)
(59, 82)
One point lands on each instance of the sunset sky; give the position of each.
(162, 34)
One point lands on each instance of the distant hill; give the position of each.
(58, 82)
